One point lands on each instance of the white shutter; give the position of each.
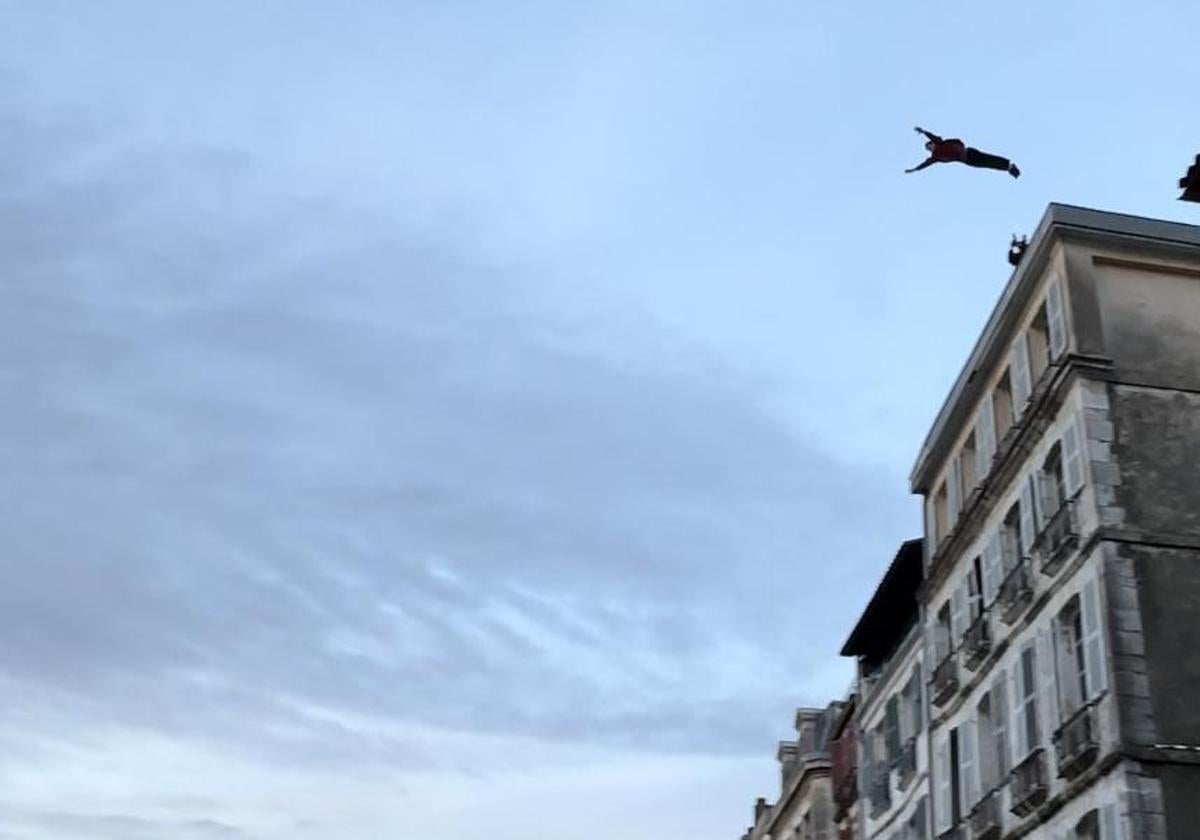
(993, 572)
(1093, 639)
(1027, 519)
(1035, 496)
(1047, 683)
(985, 437)
(1110, 822)
(1016, 707)
(958, 613)
(1047, 489)
(1020, 376)
(1072, 456)
(1054, 318)
(954, 492)
(942, 785)
(967, 766)
(1000, 707)
(930, 526)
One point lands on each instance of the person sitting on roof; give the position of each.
(956, 151)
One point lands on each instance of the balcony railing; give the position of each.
(945, 680)
(1057, 538)
(1016, 592)
(880, 789)
(1027, 784)
(986, 820)
(1076, 743)
(905, 764)
(977, 642)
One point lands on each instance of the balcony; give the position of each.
(1015, 593)
(956, 832)
(977, 642)
(1076, 743)
(879, 789)
(1027, 784)
(905, 764)
(945, 680)
(985, 818)
(1058, 537)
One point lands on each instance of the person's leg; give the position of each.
(983, 160)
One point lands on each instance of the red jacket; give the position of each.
(946, 151)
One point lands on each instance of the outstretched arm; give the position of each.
(926, 163)
(928, 134)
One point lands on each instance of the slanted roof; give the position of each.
(892, 608)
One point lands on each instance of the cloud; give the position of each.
(272, 468)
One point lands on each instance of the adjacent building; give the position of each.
(804, 810)
(1031, 667)
(893, 758)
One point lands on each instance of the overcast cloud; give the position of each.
(426, 420)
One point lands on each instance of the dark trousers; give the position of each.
(985, 161)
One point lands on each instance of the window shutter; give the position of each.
(1047, 683)
(1096, 672)
(985, 437)
(1055, 322)
(1035, 497)
(993, 572)
(1000, 708)
(958, 613)
(892, 727)
(1110, 822)
(954, 492)
(942, 784)
(1072, 456)
(1019, 365)
(966, 764)
(930, 526)
(1018, 739)
(1047, 492)
(1027, 519)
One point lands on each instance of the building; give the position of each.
(844, 753)
(890, 715)
(804, 810)
(1061, 486)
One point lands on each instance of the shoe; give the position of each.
(1013, 171)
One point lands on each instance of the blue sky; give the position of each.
(423, 417)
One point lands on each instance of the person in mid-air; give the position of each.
(956, 151)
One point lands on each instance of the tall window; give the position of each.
(970, 465)
(1039, 344)
(975, 590)
(1025, 712)
(1010, 539)
(1053, 483)
(1079, 649)
(941, 512)
(1002, 406)
(942, 634)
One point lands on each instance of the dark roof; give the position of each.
(892, 608)
(1190, 182)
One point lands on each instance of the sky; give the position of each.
(427, 420)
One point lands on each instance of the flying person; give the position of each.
(956, 151)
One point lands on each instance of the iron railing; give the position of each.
(945, 680)
(1054, 543)
(1015, 592)
(985, 818)
(977, 642)
(1027, 784)
(1076, 743)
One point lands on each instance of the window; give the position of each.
(1056, 326)
(975, 590)
(993, 746)
(968, 782)
(1072, 668)
(956, 791)
(985, 437)
(1010, 539)
(910, 707)
(891, 728)
(1024, 705)
(944, 778)
(1079, 649)
(1002, 402)
(1038, 338)
(970, 465)
(941, 512)
(942, 645)
(1053, 484)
